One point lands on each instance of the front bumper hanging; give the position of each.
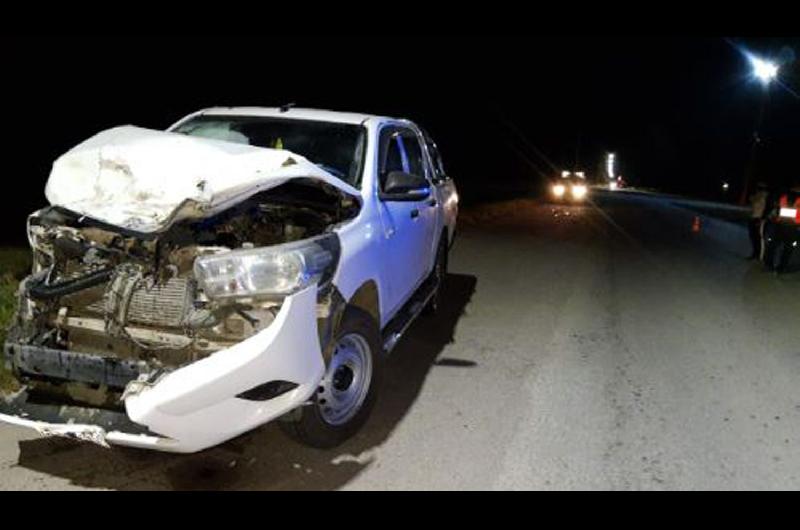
(193, 407)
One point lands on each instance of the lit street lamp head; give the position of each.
(765, 71)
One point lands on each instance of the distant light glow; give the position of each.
(610, 165)
(580, 174)
(559, 190)
(725, 186)
(612, 185)
(764, 70)
(564, 174)
(579, 191)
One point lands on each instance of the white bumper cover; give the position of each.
(195, 407)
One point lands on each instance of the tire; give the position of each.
(440, 271)
(782, 257)
(352, 378)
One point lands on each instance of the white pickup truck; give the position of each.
(247, 264)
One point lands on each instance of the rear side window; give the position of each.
(436, 161)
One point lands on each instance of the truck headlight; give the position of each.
(579, 191)
(558, 190)
(268, 272)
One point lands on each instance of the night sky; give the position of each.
(507, 112)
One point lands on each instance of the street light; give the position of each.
(764, 70)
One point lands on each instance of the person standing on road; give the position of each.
(758, 212)
(782, 229)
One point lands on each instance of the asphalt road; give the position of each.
(596, 347)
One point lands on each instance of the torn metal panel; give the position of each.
(143, 180)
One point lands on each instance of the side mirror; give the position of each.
(401, 186)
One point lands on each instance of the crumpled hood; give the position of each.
(143, 179)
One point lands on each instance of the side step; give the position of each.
(396, 327)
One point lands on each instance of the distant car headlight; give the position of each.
(612, 185)
(579, 191)
(559, 190)
(268, 272)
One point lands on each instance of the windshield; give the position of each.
(338, 148)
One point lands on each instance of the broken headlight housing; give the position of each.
(268, 272)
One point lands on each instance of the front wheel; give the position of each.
(348, 389)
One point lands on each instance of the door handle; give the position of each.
(432, 202)
(414, 213)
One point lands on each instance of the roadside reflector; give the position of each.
(696, 224)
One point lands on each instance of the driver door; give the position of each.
(407, 225)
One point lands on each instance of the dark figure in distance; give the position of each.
(758, 213)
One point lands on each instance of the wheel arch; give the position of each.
(367, 298)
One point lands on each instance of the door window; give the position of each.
(392, 155)
(413, 150)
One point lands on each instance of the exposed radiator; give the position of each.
(161, 305)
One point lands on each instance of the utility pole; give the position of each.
(752, 165)
(766, 72)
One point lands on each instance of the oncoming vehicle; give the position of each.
(246, 265)
(571, 186)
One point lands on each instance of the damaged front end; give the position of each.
(181, 338)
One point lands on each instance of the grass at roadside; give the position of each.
(14, 265)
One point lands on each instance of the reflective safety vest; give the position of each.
(784, 204)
